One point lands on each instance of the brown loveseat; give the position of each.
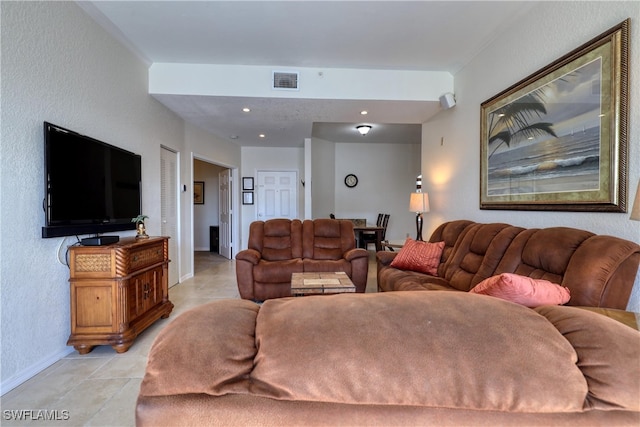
(391, 359)
(279, 247)
(598, 270)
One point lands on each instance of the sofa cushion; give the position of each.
(523, 290)
(477, 253)
(436, 349)
(208, 349)
(278, 239)
(327, 239)
(419, 256)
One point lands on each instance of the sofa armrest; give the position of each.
(385, 257)
(245, 261)
(250, 255)
(355, 253)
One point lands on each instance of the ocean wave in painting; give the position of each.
(564, 164)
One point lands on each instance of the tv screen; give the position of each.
(91, 187)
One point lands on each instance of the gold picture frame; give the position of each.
(557, 140)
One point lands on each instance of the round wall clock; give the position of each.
(351, 180)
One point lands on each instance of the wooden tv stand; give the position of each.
(117, 291)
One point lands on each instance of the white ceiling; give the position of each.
(380, 35)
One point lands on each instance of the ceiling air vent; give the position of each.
(285, 80)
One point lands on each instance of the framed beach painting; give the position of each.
(557, 140)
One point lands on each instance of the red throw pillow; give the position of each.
(523, 290)
(423, 257)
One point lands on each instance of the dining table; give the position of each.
(360, 230)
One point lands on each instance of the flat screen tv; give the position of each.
(91, 187)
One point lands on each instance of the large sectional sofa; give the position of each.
(416, 358)
(598, 270)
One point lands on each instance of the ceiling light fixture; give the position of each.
(262, 135)
(363, 129)
(364, 112)
(246, 109)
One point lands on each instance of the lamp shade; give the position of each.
(419, 202)
(635, 211)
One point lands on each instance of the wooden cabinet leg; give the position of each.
(83, 348)
(122, 348)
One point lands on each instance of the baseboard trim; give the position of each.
(31, 371)
(185, 277)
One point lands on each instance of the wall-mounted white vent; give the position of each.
(285, 80)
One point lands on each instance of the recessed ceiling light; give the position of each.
(364, 112)
(262, 135)
(246, 109)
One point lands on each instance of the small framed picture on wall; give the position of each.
(247, 183)
(247, 197)
(198, 192)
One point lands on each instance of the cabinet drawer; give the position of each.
(146, 256)
(91, 264)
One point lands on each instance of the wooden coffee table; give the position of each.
(321, 283)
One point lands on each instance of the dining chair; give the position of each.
(370, 238)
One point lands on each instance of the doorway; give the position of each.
(213, 221)
(277, 194)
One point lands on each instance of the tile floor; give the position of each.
(100, 388)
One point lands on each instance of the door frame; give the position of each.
(235, 204)
(178, 225)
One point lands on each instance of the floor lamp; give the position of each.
(419, 203)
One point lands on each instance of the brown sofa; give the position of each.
(279, 247)
(391, 359)
(598, 270)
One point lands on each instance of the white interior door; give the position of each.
(277, 195)
(225, 208)
(169, 208)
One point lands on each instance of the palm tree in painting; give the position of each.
(511, 123)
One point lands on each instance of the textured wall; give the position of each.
(386, 177)
(550, 30)
(59, 66)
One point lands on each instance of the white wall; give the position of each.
(59, 66)
(274, 159)
(549, 31)
(316, 83)
(323, 182)
(386, 177)
(386, 172)
(204, 146)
